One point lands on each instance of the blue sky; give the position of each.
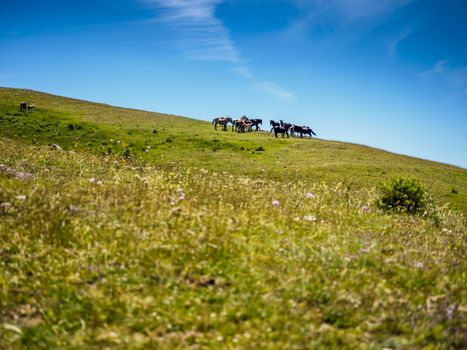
(390, 74)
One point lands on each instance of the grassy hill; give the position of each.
(215, 239)
(75, 124)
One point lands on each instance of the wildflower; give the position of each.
(181, 194)
(21, 197)
(366, 209)
(418, 265)
(275, 203)
(92, 180)
(450, 311)
(310, 195)
(22, 176)
(74, 208)
(5, 207)
(309, 218)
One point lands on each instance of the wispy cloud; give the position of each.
(453, 76)
(200, 35)
(341, 18)
(397, 39)
(268, 87)
(352, 10)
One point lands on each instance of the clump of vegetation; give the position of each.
(405, 195)
(260, 149)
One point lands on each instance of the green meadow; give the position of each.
(153, 231)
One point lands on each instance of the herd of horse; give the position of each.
(244, 124)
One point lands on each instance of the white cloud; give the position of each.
(268, 87)
(274, 90)
(442, 71)
(352, 10)
(397, 39)
(200, 35)
(341, 18)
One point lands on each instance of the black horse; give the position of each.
(301, 130)
(274, 125)
(256, 123)
(285, 125)
(280, 130)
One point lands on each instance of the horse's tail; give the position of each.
(312, 132)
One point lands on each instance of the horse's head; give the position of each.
(259, 121)
(272, 122)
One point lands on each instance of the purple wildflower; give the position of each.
(310, 195)
(275, 203)
(181, 194)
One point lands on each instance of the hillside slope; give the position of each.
(205, 243)
(168, 140)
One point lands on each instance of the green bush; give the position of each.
(403, 194)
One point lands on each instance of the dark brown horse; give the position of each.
(23, 107)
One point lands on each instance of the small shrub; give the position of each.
(260, 149)
(404, 194)
(169, 139)
(71, 127)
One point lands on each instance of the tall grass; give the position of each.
(105, 252)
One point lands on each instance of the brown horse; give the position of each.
(222, 121)
(242, 125)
